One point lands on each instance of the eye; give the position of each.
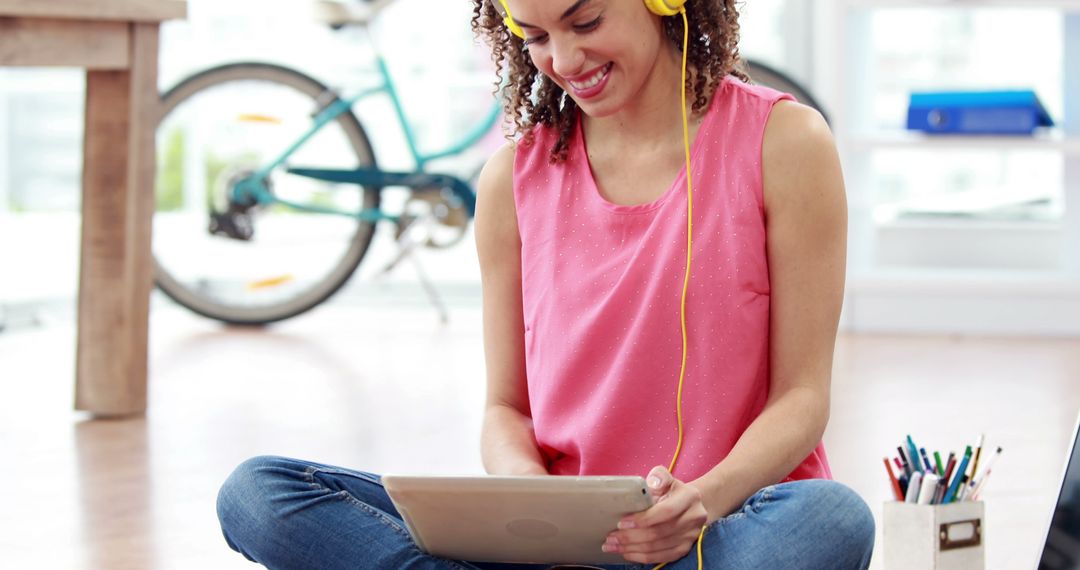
(588, 26)
(534, 40)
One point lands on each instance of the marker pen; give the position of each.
(928, 489)
(913, 488)
(926, 460)
(914, 455)
(975, 461)
(976, 492)
(950, 495)
(894, 482)
(908, 469)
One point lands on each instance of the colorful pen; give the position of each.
(981, 479)
(895, 483)
(913, 488)
(928, 489)
(975, 460)
(949, 468)
(904, 458)
(940, 469)
(926, 460)
(950, 495)
(914, 455)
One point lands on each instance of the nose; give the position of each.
(567, 57)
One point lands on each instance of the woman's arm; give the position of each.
(806, 225)
(507, 443)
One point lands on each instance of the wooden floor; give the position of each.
(384, 387)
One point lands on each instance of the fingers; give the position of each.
(659, 481)
(665, 547)
(685, 528)
(665, 556)
(669, 507)
(665, 531)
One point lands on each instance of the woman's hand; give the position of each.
(665, 531)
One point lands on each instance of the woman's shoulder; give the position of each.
(798, 152)
(733, 87)
(497, 174)
(794, 128)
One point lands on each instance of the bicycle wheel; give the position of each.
(225, 255)
(762, 74)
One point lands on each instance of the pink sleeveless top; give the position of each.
(601, 285)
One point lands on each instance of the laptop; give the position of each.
(539, 520)
(1062, 548)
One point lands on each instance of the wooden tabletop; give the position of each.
(125, 10)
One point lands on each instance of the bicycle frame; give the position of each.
(371, 178)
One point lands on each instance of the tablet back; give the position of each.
(547, 520)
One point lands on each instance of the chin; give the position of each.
(597, 109)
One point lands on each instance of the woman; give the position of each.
(581, 229)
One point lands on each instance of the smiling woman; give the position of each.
(603, 355)
(537, 92)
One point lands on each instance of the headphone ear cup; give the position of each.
(665, 7)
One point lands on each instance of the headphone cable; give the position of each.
(686, 278)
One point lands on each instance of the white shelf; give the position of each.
(952, 274)
(1064, 5)
(1052, 141)
(959, 281)
(948, 301)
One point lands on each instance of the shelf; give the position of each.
(978, 258)
(963, 301)
(1066, 5)
(1034, 282)
(968, 245)
(1053, 141)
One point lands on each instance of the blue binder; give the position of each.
(977, 112)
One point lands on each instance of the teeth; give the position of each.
(592, 81)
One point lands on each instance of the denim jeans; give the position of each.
(286, 513)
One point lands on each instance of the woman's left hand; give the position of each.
(665, 531)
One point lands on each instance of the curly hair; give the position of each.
(531, 98)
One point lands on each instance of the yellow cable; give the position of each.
(686, 278)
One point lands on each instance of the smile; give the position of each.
(592, 80)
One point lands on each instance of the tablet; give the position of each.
(542, 520)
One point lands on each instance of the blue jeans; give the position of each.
(285, 513)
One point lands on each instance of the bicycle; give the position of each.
(244, 237)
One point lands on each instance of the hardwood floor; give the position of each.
(353, 384)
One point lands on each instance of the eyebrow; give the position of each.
(569, 12)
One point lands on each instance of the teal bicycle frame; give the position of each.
(254, 186)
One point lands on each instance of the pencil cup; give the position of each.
(934, 537)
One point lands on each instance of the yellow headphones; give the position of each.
(658, 7)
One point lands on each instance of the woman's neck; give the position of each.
(652, 119)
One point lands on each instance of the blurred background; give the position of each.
(963, 277)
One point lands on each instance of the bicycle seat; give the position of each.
(338, 14)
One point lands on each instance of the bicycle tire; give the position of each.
(763, 74)
(321, 95)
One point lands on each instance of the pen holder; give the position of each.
(937, 537)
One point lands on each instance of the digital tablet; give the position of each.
(542, 520)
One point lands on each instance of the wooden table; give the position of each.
(116, 41)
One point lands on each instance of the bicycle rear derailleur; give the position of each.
(436, 214)
(236, 221)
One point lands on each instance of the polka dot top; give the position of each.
(601, 285)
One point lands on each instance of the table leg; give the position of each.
(116, 271)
